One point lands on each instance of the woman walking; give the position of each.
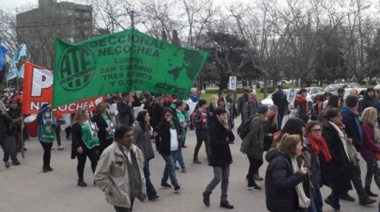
(170, 133)
(106, 127)
(84, 143)
(46, 133)
(142, 138)
(220, 157)
(371, 147)
(320, 156)
(338, 170)
(283, 178)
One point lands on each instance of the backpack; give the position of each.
(244, 129)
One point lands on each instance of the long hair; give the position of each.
(293, 127)
(79, 115)
(101, 107)
(273, 120)
(333, 101)
(214, 101)
(141, 120)
(369, 116)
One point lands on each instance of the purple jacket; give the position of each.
(369, 147)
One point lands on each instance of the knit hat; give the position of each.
(219, 110)
(262, 109)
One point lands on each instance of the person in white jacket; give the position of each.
(120, 171)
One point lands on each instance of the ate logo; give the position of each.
(76, 68)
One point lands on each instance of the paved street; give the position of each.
(26, 188)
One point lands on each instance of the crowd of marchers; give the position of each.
(317, 145)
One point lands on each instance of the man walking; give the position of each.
(120, 171)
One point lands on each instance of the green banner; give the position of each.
(122, 62)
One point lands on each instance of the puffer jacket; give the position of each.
(280, 183)
(253, 143)
(112, 175)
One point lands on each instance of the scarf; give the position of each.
(303, 200)
(342, 138)
(319, 146)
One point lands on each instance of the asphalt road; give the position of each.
(25, 188)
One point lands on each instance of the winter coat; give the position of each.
(253, 143)
(352, 127)
(280, 183)
(279, 99)
(301, 102)
(143, 141)
(5, 125)
(219, 145)
(164, 133)
(370, 146)
(368, 102)
(240, 104)
(125, 115)
(249, 110)
(111, 175)
(338, 169)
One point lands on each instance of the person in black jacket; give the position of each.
(283, 176)
(105, 125)
(220, 157)
(125, 109)
(339, 172)
(5, 135)
(280, 100)
(369, 100)
(84, 143)
(170, 134)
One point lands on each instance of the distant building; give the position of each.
(39, 27)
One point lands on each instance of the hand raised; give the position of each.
(303, 169)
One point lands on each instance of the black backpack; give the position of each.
(244, 129)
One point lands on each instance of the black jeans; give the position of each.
(202, 136)
(103, 145)
(254, 165)
(92, 154)
(47, 152)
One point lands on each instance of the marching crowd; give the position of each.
(318, 147)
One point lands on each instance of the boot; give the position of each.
(369, 192)
(226, 204)
(206, 198)
(196, 161)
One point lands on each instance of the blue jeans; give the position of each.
(151, 192)
(6, 144)
(316, 202)
(169, 168)
(179, 154)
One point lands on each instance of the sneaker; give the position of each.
(60, 148)
(52, 148)
(177, 189)
(44, 170)
(15, 163)
(165, 185)
(7, 164)
(49, 169)
(196, 161)
(254, 188)
(81, 183)
(183, 170)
